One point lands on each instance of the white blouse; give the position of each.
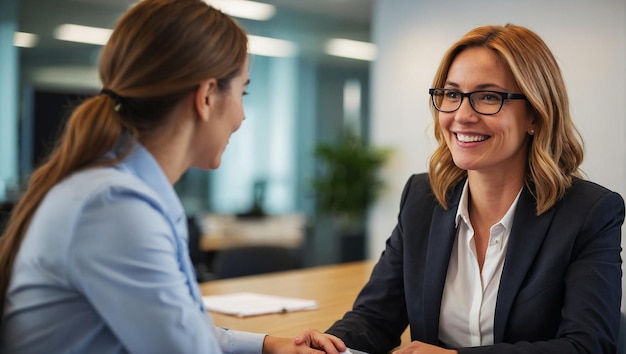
(469, 297)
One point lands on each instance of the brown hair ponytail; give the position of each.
(92, 130)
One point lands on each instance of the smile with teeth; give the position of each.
(470, 138)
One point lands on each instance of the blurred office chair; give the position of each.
(199, 259)
(5, 213)
(250, 260)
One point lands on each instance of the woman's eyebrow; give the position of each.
(486, 86)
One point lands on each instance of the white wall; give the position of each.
(587, 37)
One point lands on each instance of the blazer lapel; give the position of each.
(527, 234)
(440, 242)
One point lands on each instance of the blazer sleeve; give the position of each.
(379, 315)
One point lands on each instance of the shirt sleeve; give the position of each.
(236, 342)
(123, 259)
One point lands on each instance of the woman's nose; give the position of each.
(465, 113)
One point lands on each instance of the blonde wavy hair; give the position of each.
(555, 151)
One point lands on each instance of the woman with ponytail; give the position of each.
(94, 257)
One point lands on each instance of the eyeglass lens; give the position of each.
(483, 102)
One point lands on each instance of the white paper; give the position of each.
(252, 304)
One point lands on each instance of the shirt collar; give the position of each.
(507, 219)
(142, 164)
(463, 213)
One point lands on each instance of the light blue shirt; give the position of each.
(104, 268)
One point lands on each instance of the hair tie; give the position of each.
(115, 97)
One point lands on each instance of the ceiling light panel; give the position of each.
(272, 47)
(348, 48)
(24, 40)
(250, 10)
(82, 34)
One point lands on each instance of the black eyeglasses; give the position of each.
(483, 102)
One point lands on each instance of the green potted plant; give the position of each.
(346, 184)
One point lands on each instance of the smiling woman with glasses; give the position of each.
(483, 102)
(502, 247)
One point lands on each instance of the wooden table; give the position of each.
(334, 288)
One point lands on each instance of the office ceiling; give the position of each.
(308, 22)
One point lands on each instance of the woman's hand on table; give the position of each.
(310, 341)
(417, 347)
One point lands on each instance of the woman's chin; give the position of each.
(214, 165)
(208, 165)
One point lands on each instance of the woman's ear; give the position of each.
(204, 99)
(533, 126)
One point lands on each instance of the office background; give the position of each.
(297, 102)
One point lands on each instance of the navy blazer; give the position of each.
(560, 290)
